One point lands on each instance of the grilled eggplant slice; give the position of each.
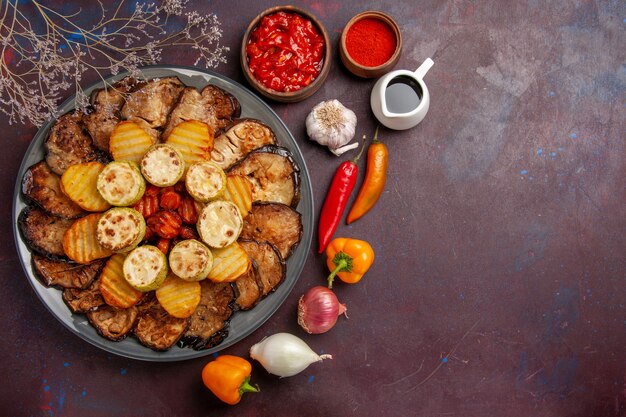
(107, 104)
(276, 223)
(65, 274)
(225, 105)
(191, 106)
(249, 288)
(273, 173)
(153, 101)
(83, 301)
(241, 138)
(69, 143)
(270, 264)
(43, 232)
(208, 325)
(112, 323)
(155, 328)
(43, 187)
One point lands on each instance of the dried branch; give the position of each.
(40, 67)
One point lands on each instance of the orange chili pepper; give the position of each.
(228, 377)
(374, 182)
(349, 259)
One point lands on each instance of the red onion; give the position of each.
(318, 310)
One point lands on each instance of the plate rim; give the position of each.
(187, 353)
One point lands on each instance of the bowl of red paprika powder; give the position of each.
(370, 44)
(286, 54)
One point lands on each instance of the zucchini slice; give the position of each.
(120, 183)
(191, 260)
(205, 181)
(120, 229)
(162, 165)
(219, 223)
(145, 268)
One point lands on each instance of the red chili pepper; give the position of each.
(340, 189)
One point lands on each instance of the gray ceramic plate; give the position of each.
(242, 323)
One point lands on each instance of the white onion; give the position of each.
(284, 354)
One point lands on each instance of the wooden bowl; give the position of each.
(303, 93)
(362, 70)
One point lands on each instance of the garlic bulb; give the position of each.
(333, 125)
(284, 354)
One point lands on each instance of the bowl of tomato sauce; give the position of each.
(286, 54)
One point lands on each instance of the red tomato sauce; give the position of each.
(285, 52)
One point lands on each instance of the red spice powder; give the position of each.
(370, 42)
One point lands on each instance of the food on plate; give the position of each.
(153, 101)
(43, 187)
(208, 324)
(285, 51)
(80, 241)
(219, 223)
(42, 231)
(79, 181)
(349, 259)
(249, 288)
(120, 183)
(129, 142)
(68, 143)
(374, 182)
(333, 125)
(156, 328)
(205, 181)
(65, 274)
(153, 253)
(336, 199)
(112, 323)
(270, 264)
(240, 139)
(276, 223)
(228, 377)
(145, 268)
(229, 263)
(190, 260)
(162, 165)
(178, 297)
(273, 174)
(194, 139)
(107, 104)
(213, 106)
(114, 288)
(84, 300)
(239, 191)
(120, 229)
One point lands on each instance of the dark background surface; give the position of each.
(500, 278)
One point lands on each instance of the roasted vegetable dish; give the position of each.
(160, 213)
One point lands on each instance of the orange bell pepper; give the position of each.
(228, 377)
(349, 259)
